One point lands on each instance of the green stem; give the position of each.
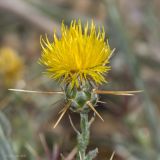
(83, 137)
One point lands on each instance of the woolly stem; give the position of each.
(83, 137)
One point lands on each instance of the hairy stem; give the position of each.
(83, 137)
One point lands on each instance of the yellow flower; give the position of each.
(79, 55)
(11, 66)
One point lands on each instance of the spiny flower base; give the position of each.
(80, 98)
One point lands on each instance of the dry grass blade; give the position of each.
(118, 93)
(111, 53)
(39, 92)
(112, 156)
(44, 144)
(72, 154)
(101, 102)
(91, 106)
(32, 151)
(73, 126)
(62, 114)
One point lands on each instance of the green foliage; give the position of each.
(6, 151)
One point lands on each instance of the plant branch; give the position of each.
(29, 13)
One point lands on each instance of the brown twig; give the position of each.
(30, 14)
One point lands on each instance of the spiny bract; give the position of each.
(78, 55)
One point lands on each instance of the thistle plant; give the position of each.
(79, 60)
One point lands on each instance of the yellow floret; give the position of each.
(78, 55)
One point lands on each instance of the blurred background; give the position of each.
(132, 125)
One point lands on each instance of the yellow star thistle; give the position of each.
(77, 56)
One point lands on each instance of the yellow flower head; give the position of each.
(11, 66)
(79, 55)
